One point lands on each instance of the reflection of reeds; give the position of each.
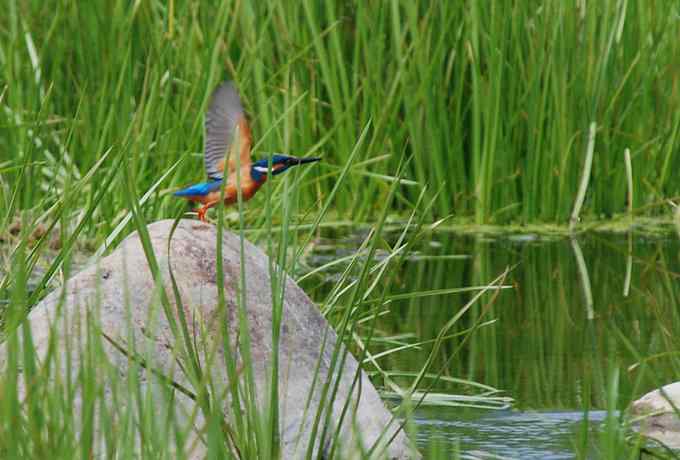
(583, 276)
(540, 347)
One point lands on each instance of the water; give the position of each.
(549, 349)
(507, 434)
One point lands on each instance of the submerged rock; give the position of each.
(655, 417)
(120, 298)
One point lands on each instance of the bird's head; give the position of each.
(280, 163)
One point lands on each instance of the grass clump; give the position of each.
(98, 410)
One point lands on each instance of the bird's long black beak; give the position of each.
(301, 161)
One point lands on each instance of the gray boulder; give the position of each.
(120, 298)
(655, 417)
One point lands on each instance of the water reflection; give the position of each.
(550, 349)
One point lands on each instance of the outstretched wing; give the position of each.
(225, 115)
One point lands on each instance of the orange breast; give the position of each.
(248, 187)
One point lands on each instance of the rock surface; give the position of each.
(119, 296)
(657, 419)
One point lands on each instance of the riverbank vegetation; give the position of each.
(491, 103)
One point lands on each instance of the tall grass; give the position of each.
(118, 415)
(492, 100)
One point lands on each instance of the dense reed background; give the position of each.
(491, 100)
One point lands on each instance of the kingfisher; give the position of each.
(225, 120)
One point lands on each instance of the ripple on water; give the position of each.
(505, 434)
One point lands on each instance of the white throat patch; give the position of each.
(260, 169)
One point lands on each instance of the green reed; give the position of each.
(492, 100)
(42, 421)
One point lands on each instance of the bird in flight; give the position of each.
(224, 121)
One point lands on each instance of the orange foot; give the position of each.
(201, 214)
(204, 209)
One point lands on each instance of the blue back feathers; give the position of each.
(200, 189)
(258, 172)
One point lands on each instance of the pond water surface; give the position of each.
(564, 345)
